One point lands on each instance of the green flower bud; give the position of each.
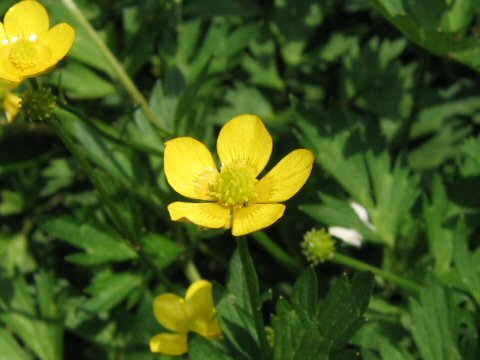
(38, 104)
(318, 246)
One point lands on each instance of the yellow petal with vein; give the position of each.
(189, 167)
(255, 217)
(286, 178)
(172, 312)
(26, 18)
(209, 215)
(245, 139)
(59, 40)
(169, 344)
(200, 299)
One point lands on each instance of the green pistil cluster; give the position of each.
(235, 185)
(318, 246)
(38, 104)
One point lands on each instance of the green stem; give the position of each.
(191, 272)
(360, 265)
(190, 269)
(253, 295)
(117, 67)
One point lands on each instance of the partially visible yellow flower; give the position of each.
(194, 313)
(28, 47)
(12, 104)
(234, 198)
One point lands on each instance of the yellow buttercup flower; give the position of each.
(234, 197)
(28, 47)
(195, 313)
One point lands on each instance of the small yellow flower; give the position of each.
(12, 104)
(28, 47)
(234, 197)
(194, 313)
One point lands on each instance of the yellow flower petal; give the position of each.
(200, 300)
(3, 36)
(208, 327)
(255, 217)
(199, 296)
(286, 178)
(245, 139)
(7, 70)
(11, 105)
(213, 331)
(172, 312)
(189, 167)
(28, 19)
(209, 215)
(58, 40)
(169, 344)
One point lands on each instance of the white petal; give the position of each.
(350, 236)
(362, 214)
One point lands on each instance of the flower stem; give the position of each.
(191, 272)
(251, 280)
(117, 67)
(360, 265)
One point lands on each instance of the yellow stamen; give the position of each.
(206, 181)
(24, 54)
(235, 185)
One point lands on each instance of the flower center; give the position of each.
(235, 185)
(24, 54)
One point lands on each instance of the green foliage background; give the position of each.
(386, 93)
